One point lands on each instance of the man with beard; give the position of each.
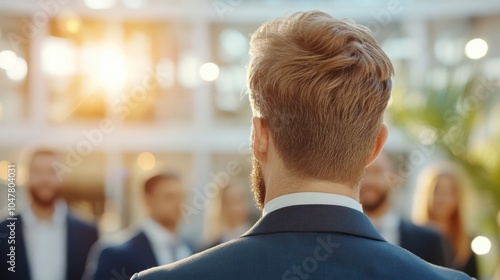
(50, 243)
(158, 242)
(318, 88)
(375, 197)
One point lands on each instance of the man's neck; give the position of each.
(276, 190)
(43, 212)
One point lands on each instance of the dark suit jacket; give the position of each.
(423, 242)
(305, 242)
(80, 237)
(470, 267)
(122, 261)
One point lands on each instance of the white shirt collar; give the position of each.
(307, 198)
(157, 234)
(58, 217)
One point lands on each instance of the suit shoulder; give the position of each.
(197, 265)
(428, 232)
(249, 257)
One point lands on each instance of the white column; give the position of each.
(202, 95)
(38, 90)
(202, 121)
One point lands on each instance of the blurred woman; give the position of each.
(227, 216)
(438, 204)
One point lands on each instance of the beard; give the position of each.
(375, 204)
(44, 201)
(258, 184)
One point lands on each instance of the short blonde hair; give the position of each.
(322, 86)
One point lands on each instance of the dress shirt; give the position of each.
(388, 227)
(46, 244)
(308, 198)
(167, 246)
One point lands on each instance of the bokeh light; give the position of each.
(448, 50)
(19, 71)
(209, 72)
(133, 4)
(100, 4)
(111, 66)
(476, 48)
(69, 21)
(481, 245)
(146, 161)
(229, 86)
(234, 44)
(8, 59)
(58, 57)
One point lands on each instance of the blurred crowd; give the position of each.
(53, 243)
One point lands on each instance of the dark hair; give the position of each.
(153, 181)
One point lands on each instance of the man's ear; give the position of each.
(260, 138)
(379, 144)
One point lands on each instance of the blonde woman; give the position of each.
(438, 204)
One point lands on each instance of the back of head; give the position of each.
(322, 86)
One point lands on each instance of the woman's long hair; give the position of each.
(423, 203)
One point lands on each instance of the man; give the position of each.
(158, 242)
(318, 89)
(50, 243)
(375, 198)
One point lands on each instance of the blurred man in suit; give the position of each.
(375, 196)
(157, 242)
(318, 87)
(50, 243)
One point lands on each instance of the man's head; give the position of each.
(234, 206)
(44, 185)
(164, 196)
(376, 186)
(318, 88)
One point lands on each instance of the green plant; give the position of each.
(460, 119)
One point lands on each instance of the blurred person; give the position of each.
(438, 204)
(318, 88)
(375, 197)
(227, 216)
(50, 242)
(158, 241)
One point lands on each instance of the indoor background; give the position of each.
(125, 89)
